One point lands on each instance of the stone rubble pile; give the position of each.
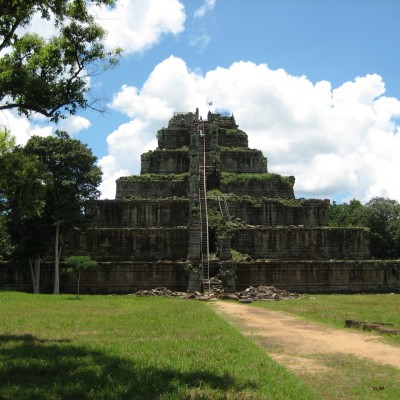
(261, 293)
(158, 292)
(246, 296)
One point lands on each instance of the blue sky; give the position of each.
(315, 84)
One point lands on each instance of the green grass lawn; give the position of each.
(333, 310)
(122, 347)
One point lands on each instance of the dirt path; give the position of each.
(289, 340)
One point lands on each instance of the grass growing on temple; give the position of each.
(334, 310)
(122, 347)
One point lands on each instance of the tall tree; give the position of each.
(7, 141)
(380, 215)
(75, 178)
(23, 185)
(349, 214)
(50, 76)
(384, 223)
(5, 240)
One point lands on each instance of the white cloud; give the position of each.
(339, 142)
(24, 128)
(205, 8)
(73, 124)
(138, 25)
(125, 146)
(133, 25)
(42, 27)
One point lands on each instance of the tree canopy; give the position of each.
(43, 188)
(380, 215)
(50, 76)
(74, 176)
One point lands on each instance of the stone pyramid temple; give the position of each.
(206, 212)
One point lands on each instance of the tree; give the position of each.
(74, 179)
(76, 265)
(384, 223)
(380, 215)
(5, 240)
(7, 141)
(23, 185)
(346, 215)
(50, 76)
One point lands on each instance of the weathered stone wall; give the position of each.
(231, 138)
(302, 276)
(222, 121)
(322, 276)
(295, 243)
(273, 213)
(165, 161)
(243, 161)
(173, 138)
(272, 187)
(130, 187)
(138, 213)
(129, 244)
(117, 277)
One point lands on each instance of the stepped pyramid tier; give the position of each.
(206, 209)
(233, 166)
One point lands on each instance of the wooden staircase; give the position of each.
(204, 164)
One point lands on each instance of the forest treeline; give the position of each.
(381, 215)
(43, 189)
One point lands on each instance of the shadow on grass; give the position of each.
(43, 369)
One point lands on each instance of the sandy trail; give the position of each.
(289, 340)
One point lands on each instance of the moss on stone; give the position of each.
(156, 177)
(236, 132)
(291, 202)
(216, 195)
(228, 177)
(239, 149)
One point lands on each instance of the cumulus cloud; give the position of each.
(138, 25)
(340, 143)
(125, 146)
(132, 25)
(41, 26)
(74, 124)
(24, 128)
(205, 8)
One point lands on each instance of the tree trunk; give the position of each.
(35, 274)
(79, 280)
(57, 260)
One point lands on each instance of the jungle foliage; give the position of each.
(43, 188)
(51, 76)
(381, 215)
